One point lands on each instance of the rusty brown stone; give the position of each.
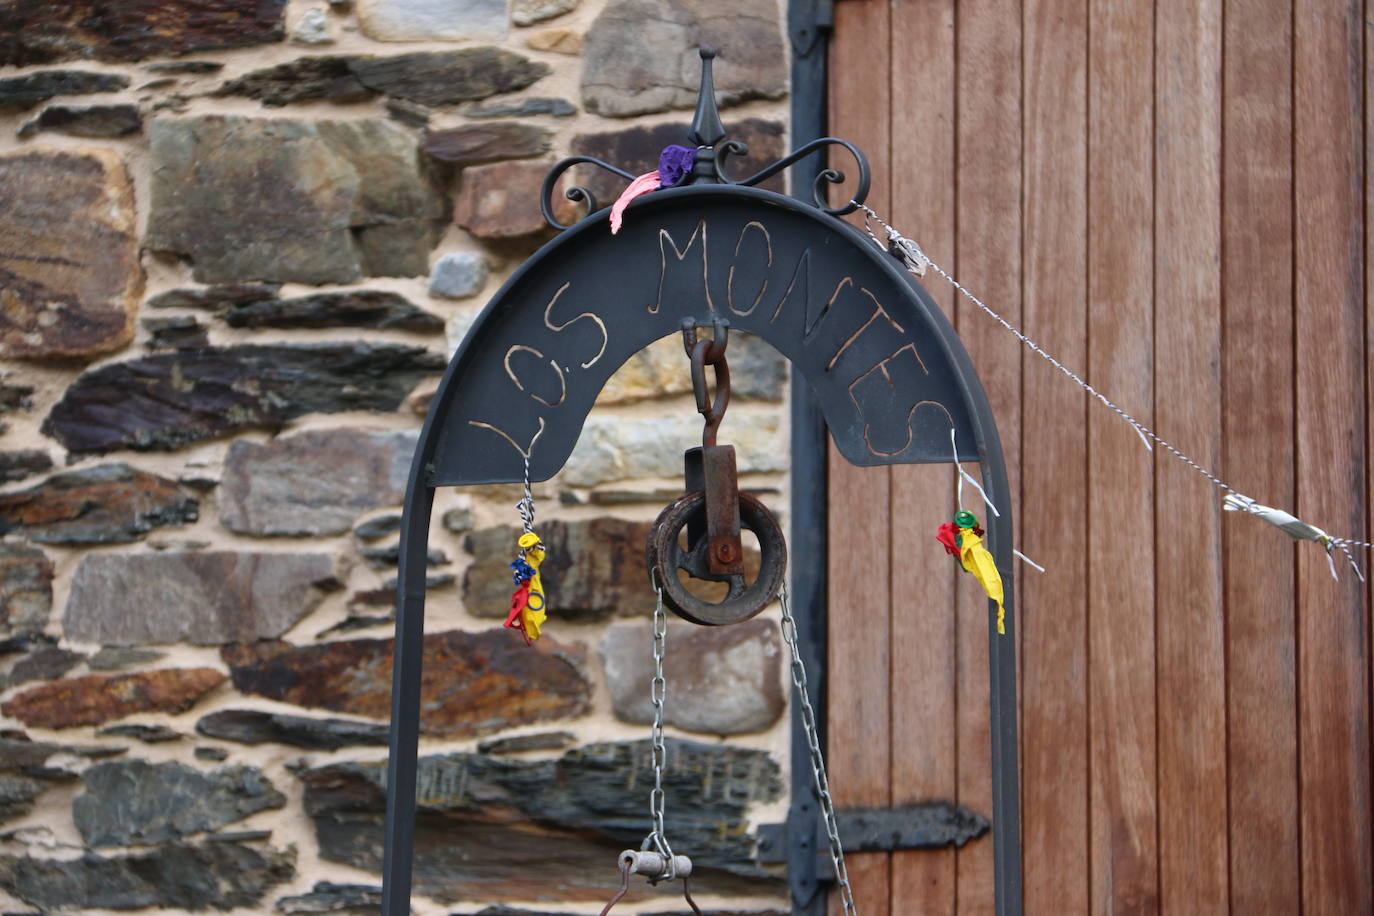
(39, 33)
(501, 201)
(473, 683)
(105, 504)
(488, 142)
(70, 276)
(99, 698)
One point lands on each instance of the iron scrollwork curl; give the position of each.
(576, 193)
(826, 176)
(712, 150)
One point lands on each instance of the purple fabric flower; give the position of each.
(674, 164)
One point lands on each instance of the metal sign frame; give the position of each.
(885, 368)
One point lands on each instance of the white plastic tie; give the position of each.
(965, 475)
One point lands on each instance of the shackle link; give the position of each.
(711, 353)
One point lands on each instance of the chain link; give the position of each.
(658, 693)
(808, 714)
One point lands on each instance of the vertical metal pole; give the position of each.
(407, 661)
(809, 30)
(1006, 786)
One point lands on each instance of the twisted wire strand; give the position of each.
(917, 262)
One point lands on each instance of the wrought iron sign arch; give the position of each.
(888, 372)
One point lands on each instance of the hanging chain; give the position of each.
(658, 693)
(808, 714)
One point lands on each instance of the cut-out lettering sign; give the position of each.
(884, 364)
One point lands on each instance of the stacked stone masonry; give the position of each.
(240, 241)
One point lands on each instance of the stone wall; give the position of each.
(239, 239)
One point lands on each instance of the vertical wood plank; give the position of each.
(1121, 624)
(1333, 660)
(988, 253)
(924, 762)
(1257, 243)
(1191, 641)
(1053, 607)
(859, 653)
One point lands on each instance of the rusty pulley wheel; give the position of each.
(743, 600)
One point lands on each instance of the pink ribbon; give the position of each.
(642, 185)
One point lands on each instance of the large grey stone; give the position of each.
(594, 569)
(25, 588)
(252, 726)
(129, 802)
(39, 33)
(433, 20)
(112, 658)
(214, 298)
(426, 78)
(641, 55)
(313, 483)
(202, 597)
(30, 768)
(528, 12)
(523, 108)
(104, 504)
(725, 680)
(458, 275)
(485, 824)
(661, 370)
(358, 308)
(23, 462)
(86, 121)
(168, 400)
(30, 89)
(148, 734)
(70, 277)
(446, 77)
(211, 875)
(325, 77)
(306, 201)
(312, 28)
(43, 664)
(175, 332)
(619, 448)
(328, 897)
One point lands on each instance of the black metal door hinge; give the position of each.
(808, 22)
(801, 842)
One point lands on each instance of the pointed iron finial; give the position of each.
(707, 130)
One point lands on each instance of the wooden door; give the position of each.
(1169, 196)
